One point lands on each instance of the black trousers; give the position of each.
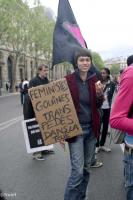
(21, 97)
(104, 127)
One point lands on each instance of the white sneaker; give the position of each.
(38, 156)
(97, 164)
(97, 150)
(106, 149)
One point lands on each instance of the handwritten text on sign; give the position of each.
(55, 111)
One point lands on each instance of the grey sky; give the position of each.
(104, 24)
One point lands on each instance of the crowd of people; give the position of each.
(92, 94)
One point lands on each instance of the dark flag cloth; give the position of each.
(67, 36)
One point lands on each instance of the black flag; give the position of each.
(67, 36)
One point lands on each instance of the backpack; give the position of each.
(117, 136)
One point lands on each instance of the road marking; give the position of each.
(8, 123)
(8, 95)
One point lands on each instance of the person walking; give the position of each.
(25, 86)
(121, 118)
(21, 91)
(87, 98)
(28, 111)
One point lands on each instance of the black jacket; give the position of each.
(36, 81)
(28, 111)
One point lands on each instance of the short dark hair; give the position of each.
(130, 60)
(81, 52)
(41, 66)
(107, 71)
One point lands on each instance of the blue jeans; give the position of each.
(128, 174)
(81, 152)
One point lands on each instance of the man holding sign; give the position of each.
(40, 79)
(87, 97)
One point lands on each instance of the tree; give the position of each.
(114, 69)
(25, 31)
(17, 35)
(41, 29)
(97, 60)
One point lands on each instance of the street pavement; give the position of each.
(22, 178)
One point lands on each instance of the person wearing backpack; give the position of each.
(121, 118)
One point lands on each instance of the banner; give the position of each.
(67, 36)
(55, 112)
(33, 137)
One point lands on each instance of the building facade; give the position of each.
(26, 68)
(121, 61)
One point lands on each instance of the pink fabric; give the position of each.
(75, 31)
(119, 117)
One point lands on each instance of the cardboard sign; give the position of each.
(33, 137)
(55, 111)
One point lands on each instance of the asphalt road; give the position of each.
(21, 177)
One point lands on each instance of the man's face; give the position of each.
(84, 63)
(44, 72)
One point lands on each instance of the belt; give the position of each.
(128, 149)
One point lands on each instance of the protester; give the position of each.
(25, 83)
(7, 86)
(16, 87)
(25, 86)
(2, 195)
(40, 79)
(95, 163)
(109, 88)
(122, 118)
(87, 97)
(0, 87)
(118, 79)
(21, 91)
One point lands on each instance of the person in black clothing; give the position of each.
(7, 86)
(21, 91)
(40, 79)
(108, 89)
(28, 111)
(2, 195)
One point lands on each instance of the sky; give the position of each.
(105, 24)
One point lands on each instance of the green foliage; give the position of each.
(97, 60)
(41, 30)
(114, 69)
(25, 30)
